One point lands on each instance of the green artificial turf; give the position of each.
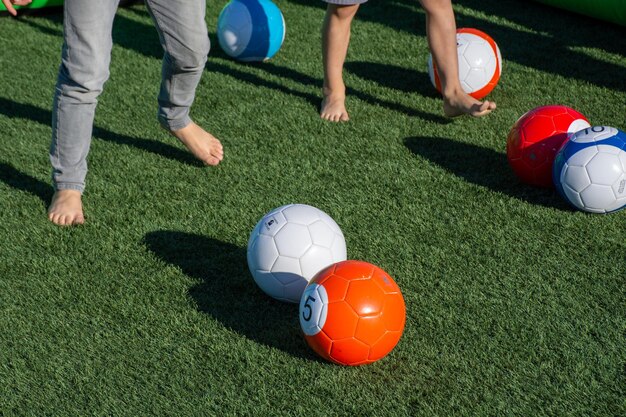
(515, 303)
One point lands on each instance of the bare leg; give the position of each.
(335, 41)
(441, 31)
(66, 208)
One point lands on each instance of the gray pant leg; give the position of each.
(185, 40)
(85, 59)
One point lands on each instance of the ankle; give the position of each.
(337, 91)
(451, 93)
(183, 129)
(68, 192)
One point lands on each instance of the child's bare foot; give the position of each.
(458, 104)
(333, 107)
(66, 208)
(201, 143)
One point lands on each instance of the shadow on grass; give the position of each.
(52, 16)
(481, 166)
(247, 77)
(385, 75)
(14, 109)
(394, 77)
(546, 46)
(315, 100)
(136, 36)
(551, 50)
(556, 25)
(143, 39)
(401, 15)
(227, 292)
(20, 181)
(148, 145)
(126, 32)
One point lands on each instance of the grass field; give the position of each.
(515, 303)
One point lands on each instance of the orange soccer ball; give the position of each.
(352, 313)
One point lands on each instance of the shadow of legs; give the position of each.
(227, 292)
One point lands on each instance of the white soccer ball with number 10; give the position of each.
(291, 244)
(589, 170)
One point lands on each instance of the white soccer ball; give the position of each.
(590, 170)
(291, 244)
(480, 63)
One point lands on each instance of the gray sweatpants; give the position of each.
(84, 69)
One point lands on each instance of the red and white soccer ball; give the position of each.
(535, 139)
(289, 245)
(352, 313)
(480, 63)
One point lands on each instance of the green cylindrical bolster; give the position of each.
(609, 10)
(36, 4)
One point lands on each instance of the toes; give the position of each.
(56, 219)
(210, 159)
(482, 109)
(217, 154)
(65, 208)
(66, 219)
(488, 105)
(482, 113)
(334, 115)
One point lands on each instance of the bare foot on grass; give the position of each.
(333, 107)
(200, 143)
(461, 103)
(66, 208)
